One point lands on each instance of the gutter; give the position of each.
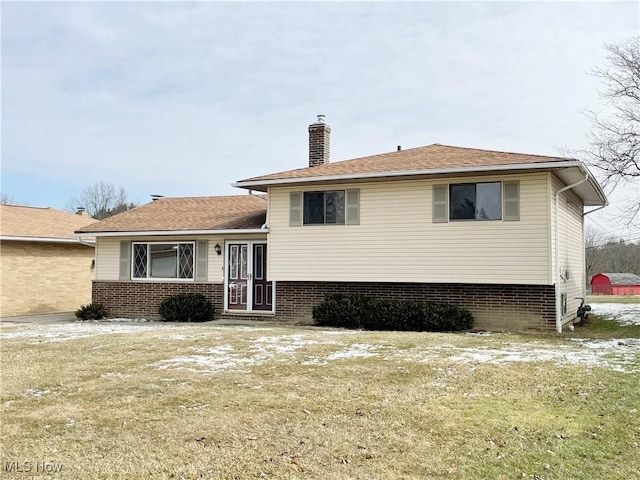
(174, 233)
(45, 240)
(557, 259)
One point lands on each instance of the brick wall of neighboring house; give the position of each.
(39, 277)
(495, 307)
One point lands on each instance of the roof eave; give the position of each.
(44, 239)
(262, 185)
(166, 233)
(253, 184)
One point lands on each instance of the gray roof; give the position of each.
(623, 278)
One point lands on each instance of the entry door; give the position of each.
(247, 286)
(237, 276)
(262, 290)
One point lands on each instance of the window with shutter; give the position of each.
(353, 207)
(201, 260)
(511, 200)
(295, 209)
(440, 210)
(125, 272)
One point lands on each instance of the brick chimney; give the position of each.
(319, 133)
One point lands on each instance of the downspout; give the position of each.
(557, 256)
(264, 225)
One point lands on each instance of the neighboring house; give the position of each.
(45, 268)
(498, 233)
(615, 284)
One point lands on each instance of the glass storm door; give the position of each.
(247, 286)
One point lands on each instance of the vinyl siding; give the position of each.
(396, 240)
(108, 253)
(570, 248)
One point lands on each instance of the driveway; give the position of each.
(41, 319)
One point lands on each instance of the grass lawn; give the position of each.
(119, 401)
(613, 299)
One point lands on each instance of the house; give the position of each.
(45, 268)
(499, 233)
(615, 284)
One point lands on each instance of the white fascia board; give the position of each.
(408, 173)
(175, 233)
(42, 239)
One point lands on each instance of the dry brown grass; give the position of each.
(111, 406)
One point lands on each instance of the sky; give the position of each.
(184, 98)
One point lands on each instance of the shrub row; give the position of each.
(357, 311)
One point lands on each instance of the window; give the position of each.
(475, 201)
(163, 260)
(333, 207)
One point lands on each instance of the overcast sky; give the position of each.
(182, 99)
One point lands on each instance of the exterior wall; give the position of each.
(626, 290)
(142, 299)
(396, 240)
(108, 253)
(40, 277)
(495, 307)
(601, 285)
(569, 273)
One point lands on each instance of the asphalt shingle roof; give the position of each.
(38, 222)
(188, 213)
(431, 157)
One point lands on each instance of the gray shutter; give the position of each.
(511, 201)
(125, 261)
(440, 214)
(202, 251)
(295, 209)
(353, 207)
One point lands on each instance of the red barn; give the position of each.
(615, 284)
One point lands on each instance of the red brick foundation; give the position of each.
(495, 307)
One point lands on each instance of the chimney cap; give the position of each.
(321, 118)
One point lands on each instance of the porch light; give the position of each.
(218, 249)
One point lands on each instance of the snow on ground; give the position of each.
(237, 348)
(623, 313)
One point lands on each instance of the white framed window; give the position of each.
(163, 260)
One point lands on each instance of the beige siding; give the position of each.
(40, 277)
(569, 273)
(397, 241)
(108, 253)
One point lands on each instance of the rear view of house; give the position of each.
(498, 233)
(45, 268)
(615, 284)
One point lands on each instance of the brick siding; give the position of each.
(495, 307)
(40, 277)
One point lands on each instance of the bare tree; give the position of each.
(594, 239)
(6, 199)
(615, 139)
(102, 200)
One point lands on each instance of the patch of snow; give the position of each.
(34, 392)
(115, 374)
(72, 331)
(623, 313)
(124, 320)
(357, 350)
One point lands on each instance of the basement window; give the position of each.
(163, 261)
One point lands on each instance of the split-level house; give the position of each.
(498, 233)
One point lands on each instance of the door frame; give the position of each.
(250, 269)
